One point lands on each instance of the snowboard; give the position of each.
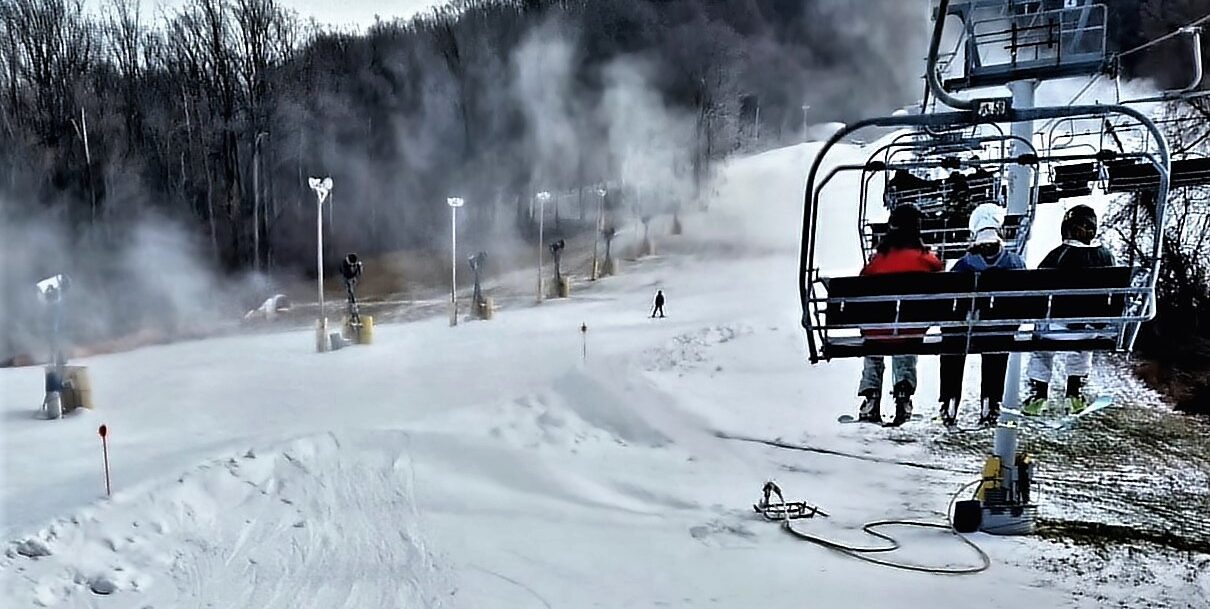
(848, 418)
(1067, 420)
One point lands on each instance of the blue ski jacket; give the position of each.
(974, 262)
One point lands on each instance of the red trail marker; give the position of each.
(104, 431)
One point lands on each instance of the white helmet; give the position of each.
(986, 222)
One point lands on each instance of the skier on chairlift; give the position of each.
(986, 253)
(900, 251)
(1079, 250)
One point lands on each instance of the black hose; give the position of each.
(862, 553)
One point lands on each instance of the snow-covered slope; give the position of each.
(491, 465)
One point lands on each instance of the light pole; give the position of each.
(321, 186)
(596, 234)
(454, 203)
(256, 200)
(542, 197)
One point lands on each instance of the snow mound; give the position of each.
(272, 529)
(691, 351)
(578, 410)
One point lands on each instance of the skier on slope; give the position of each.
(1079, 250)
(986, 253)
(900, 251)
(659, 304)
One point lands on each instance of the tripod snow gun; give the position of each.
(67, 387)
(482, 306)
(357, 328)
(562, 284)
(1002, 504)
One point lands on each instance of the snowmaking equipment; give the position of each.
(482, 306)
(562, 284)
(357, 328)
(67, 387)
(773, 507)
(610, 266)
(1003, 502)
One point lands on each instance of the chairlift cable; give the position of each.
(1168, 36)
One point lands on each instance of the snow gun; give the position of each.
(1002, 504)
(358, 328)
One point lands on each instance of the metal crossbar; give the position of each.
(977, 294)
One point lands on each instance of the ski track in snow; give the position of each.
(489, 466)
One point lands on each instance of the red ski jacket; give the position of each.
(900, 261)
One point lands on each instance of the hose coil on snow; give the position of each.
(786, 512)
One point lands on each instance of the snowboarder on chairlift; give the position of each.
(1079, 250)
(901, 250)
(659, 304)
(986, 253)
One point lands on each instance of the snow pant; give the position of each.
(1079, 363)
(994, 369)
(903, 369)
(658, 309)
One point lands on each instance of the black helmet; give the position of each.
(905, 217)
(1079, 224)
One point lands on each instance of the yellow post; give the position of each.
(991, 476)
(365, 335)
(77, 389)
(483, 309)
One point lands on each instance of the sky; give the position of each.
(335, 12)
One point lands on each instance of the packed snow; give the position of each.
(493, 464)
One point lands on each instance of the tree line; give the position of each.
(215, 113)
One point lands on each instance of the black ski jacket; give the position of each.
(1076, 255)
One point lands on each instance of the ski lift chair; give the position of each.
(945, 203)
(995, 311)
(944, 221)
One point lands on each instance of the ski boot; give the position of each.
(870, 411)
(903, 404)
(990, 412)
(949, 412)
(1076, 400)
(1035, 404)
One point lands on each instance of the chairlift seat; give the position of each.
(1026, 302)
(1130, 176)
(1074, 175)
(1064, 315)
(844, 311)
